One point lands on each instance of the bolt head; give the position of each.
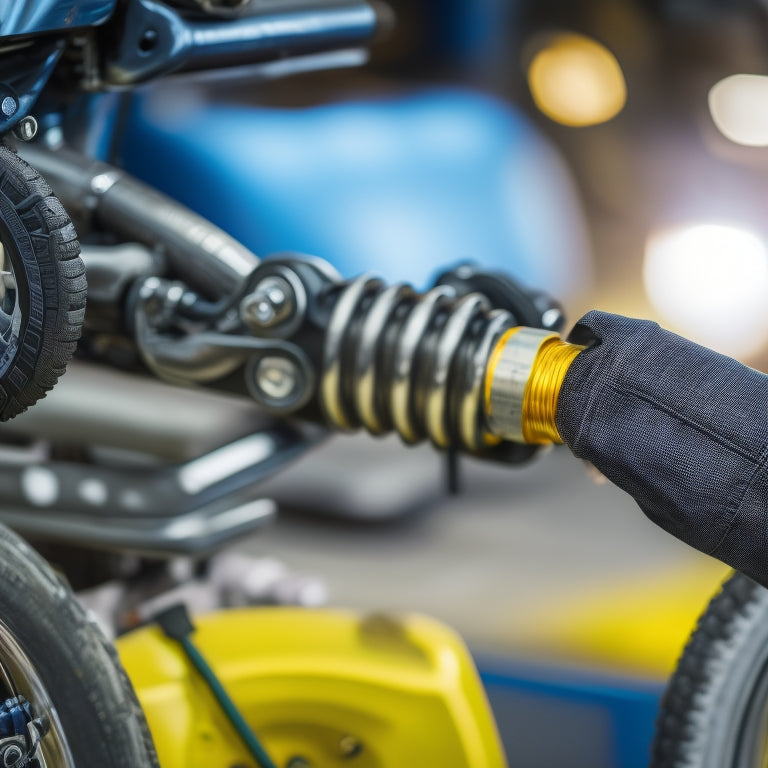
(263, 311)
(275, 294)
(9, 105)
(277, 377)
(270, 303)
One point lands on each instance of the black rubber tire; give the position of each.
(100, 716)
(716, 702)
(41, 245)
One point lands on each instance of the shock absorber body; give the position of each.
(448, 365)
(440, 366)
(388, 358)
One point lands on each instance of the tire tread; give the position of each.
(100, 714)
(40, 362)
(688, 702)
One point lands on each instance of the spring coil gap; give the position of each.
(395, 359)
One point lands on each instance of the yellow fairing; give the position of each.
(326, 686)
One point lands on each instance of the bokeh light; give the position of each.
(739, 108)
(711, 282)
(576, 81)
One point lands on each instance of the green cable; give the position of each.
(244, 731)
(176, 624)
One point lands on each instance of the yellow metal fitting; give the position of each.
(522, 384)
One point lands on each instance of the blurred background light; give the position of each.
(739, 107)
(576, 81)
(711, 282)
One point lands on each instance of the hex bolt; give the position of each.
(270, 303)
(276, 377)
(26, 128)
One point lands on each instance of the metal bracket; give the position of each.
(189, 508)
(156, 39)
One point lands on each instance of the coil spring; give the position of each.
(395, 359)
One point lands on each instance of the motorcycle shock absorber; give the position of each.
(443, 365)
(470, 364)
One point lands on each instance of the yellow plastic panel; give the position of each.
(328, 686)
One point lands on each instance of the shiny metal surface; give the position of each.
(192, 533)
(125, 501)
(471, 420)
(257, 35)
(276, 305)
(509, 375)
(156, 480)
(34, 17)
(100, 406)
(374, 327)
(411, 335)
(201, 253)
(18, 674)
(451, 336)
(330, 383)
(25, 66)
(269, 303)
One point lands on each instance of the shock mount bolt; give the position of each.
(276, 377)
(269, 304)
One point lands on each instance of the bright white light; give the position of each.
(739, 108)
(711, 282)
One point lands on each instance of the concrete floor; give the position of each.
(518, 548)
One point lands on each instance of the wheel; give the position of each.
(79, 699)
(714, 713)
(42, 286)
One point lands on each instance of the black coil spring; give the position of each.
(395, 359)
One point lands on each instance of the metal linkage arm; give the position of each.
(150, 38)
